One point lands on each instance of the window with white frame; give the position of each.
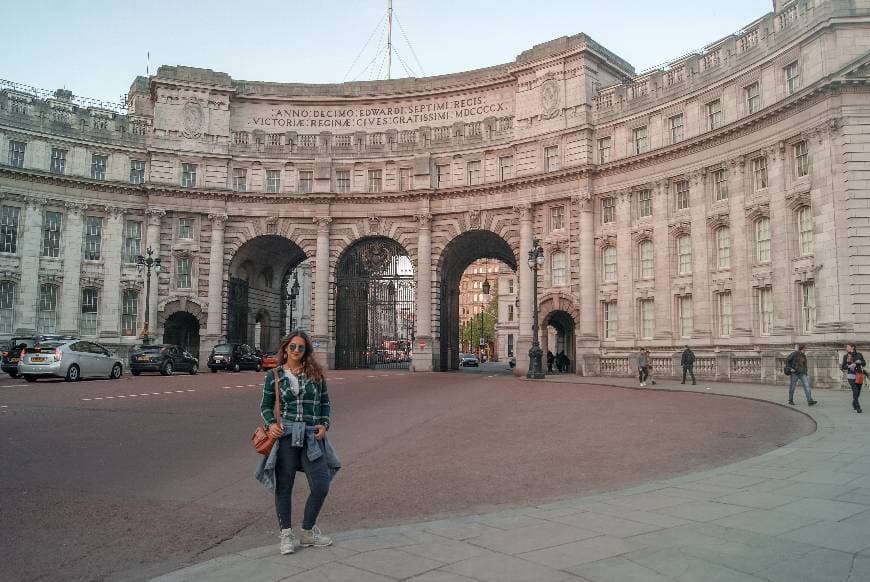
(510, 313)
(442, 175)
(714, 114)
(137, 171)
(342, 181)
(47, 313)
(188, 175)
(9, 218)
(759, 173)
(765, 310)
(16, 153)
(185, 228)
(681, 194)
(644, 203)
(93, 238)
(99, 163)
(720, 184)
(792, 77)
(684, 315)
(557, 217)
(805, 230)
(608, 260)
(51, 228)
(129, 312)
(132, 241)
(240, 180)
(505, 167)
(273, 181)
(551, 158)
(723, 248)
(510, 286)
(645, 256)
(182, 273)
(609, 319)
(510, 344)
(7, 309)
(675, 126)
(558, 269)
(88, 318)
(684, 254)
(375, 184)
(647, 318)
(306, 181)
(762, 240)
(604, 150)
(472, 169)
(801, 159)
(808, 306)
(639, 139)
(58, 161)
(406, 182)
(608, 210)
(753, 97)
(723, 304)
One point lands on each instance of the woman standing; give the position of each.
(303, 422)
(853, 364)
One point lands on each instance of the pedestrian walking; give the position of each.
(562, 362)
(642, 367)
(550, 359)
(300, 434)
(853, 365)
(796, 365)
(687, 361)
(649, 367)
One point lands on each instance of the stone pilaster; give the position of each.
(663, 301)
(741, 231)
(525, 274)
(702, 316)
(780, 249)
(625, 330)
(422, 359)
(30, 252)
(321, 291)
(588, 304)
(110, 318)
(215, 285)
(72, 268)
(152, 240)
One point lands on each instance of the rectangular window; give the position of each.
(9, 216)
(99, 163)
(610, 319)
(505, 167)
(442, 175)
(137, 171)
(808, 306)
(129, 312)
(720, 184)
(684, 255)
(58, 161)
(188, 175)
(185, 228)
(684, 313)
(792, 78)
(645, 254)
(765, 310)
(640, 141)
(93, 238)
(510, 344)
(51, 226)
(675, 125)
(801, 159)
(7, 300)
(182, 273)
(604, 150)
(551, 158)
(608, 210)
(559, 269)
(47, 315)
(723, 248)
(132, 241)
(88, 320)
(681, 194)
(557, 217)
(405, 182)
(16, 153)
(306, 181)
(724, 307)
(753, 97)
(647, 318)
(762, 239)
(240, 180)
(342, 181)
(510, 314)
(714, 114)
(759, 173)
(473, 173)
(375, 184)
(273, 181)
(608, 256)
(805, 228)
(644, 203)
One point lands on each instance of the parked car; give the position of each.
(269, 360)
(469, 361)
(163, 358)
(233, 357)
(12, 350)
(69, 359)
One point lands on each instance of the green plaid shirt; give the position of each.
(311, 406)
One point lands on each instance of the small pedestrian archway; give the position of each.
(558, 332)
(457, 255)
(182, 329)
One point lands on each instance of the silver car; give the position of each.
(69, 359)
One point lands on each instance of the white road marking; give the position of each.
(156, 393)
(179, 391)
(14, 385)
(132, 395)
(3, 406)
(168, 392)
(242, 386)
(338, 378)
(98, 398)
(121, 396)
(85, 398)
(371, 376)
(191, 390)
(146, 394)
(253, 385)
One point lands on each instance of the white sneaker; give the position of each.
(288, 541)
(313, 537)
(642, 384)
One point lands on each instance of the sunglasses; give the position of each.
(296, 348)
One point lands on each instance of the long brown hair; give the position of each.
(310, 367)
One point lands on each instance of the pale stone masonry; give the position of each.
(745, 166)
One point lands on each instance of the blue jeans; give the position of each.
(290, 460)
(802, 378)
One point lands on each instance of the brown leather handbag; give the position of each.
(261, 440)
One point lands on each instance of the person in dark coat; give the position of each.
(550, 359)
(687, 361)
(853, 365)
(797, 366)
(562, 362)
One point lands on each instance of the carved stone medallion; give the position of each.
(549, 98)
(192, 119)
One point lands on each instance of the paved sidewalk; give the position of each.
(800, 512)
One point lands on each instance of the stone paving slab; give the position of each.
(798, 513)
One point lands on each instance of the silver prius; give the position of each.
(70, 359)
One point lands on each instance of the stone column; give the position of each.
(72, 268)
(625, 269)
(663, 300)
(422, 360)
(780, 249)
(30, 252)
(702, 316)
(215, 286)
(152, 239)
(525, 274)
(742, 306)
(321, 292)
(588, 304)
(110, 316)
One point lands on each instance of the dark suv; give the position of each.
(234, 357)
(12, 349)
(163, 358)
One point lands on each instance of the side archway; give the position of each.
(558, 336)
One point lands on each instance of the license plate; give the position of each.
(37, 359)
(143, 358)
(218, 359)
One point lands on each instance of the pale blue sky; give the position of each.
(96, 48)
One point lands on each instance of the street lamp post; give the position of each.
(148, 263)
(535, 261)
(486, 289)
(294, 293)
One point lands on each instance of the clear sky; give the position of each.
(95, 48)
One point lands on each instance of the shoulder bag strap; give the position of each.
(277, 395)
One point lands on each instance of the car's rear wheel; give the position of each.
(73, 374)
(116, 372)
(135, 372)
(30, 378)
(259, 367)
(166, 370)
(194, 369)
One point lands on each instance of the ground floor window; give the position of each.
(47, 308)
(7, 299)
(129, 312)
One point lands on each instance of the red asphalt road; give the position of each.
(99, 483)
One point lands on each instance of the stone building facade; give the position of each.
(720, 201)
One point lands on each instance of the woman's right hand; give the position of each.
(276, 430)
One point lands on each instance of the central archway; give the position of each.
(182, 329)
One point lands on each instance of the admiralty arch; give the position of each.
(719, 201)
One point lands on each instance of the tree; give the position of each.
(482, 325)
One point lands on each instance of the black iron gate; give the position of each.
(237, 310)
(374, 306)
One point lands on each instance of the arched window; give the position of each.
(558, 269)
(684, 254)
(47, 308)
(609, 261)
(645, 254)
(762, 239)
(805, 230)
(7, 301)
(723, 248)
